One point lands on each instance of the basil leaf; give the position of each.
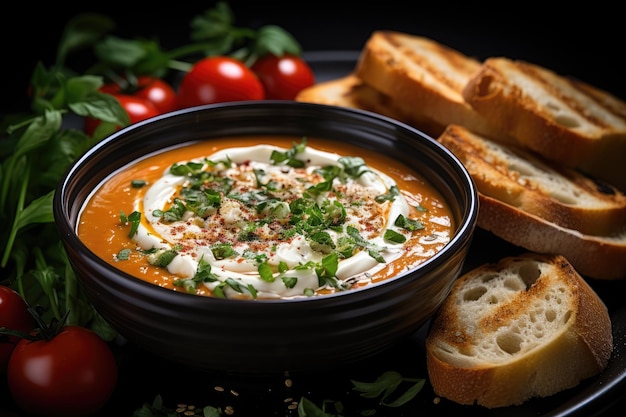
(393, 236)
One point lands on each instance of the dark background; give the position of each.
(585, 41)
(581, 40)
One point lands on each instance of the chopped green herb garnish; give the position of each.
(394, 237)
(123, 255)
(265, 272)
(222, 250)
(373, 250)
(164, 258)
(290, 282)
(408, 224)
(138, 183)
(353, 166)
(289, 157)
(389, 196)
(134, 218)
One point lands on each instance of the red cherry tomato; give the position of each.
(72, 374)
(138, 109)
(159, 92)
(218, 79)
(13, 316)
(283, 77)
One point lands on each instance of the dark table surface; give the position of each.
(586, 41)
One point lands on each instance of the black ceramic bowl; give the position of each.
(268, 336)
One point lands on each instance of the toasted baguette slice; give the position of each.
(515, 205)
(598, 257)
(422, 75)
(607, 100)
(527, 326)
(565, 121)
(351, 91)
(337, 92)
(527, 182)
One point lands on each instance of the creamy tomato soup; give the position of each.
(265, 217)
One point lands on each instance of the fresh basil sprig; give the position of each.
(213, 33)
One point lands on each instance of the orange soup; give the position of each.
(265, 217)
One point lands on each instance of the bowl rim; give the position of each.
(465, 226)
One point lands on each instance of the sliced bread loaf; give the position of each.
(529, 183)
(351, 91)
(544, 209)
(527, 326)
(422, 76)
(335, 92)
(566, 121)
(598, 257)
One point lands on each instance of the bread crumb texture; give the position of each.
(528, 326)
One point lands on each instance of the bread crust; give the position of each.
(351, 91)
(336, 92)
(571, 337)
(568, 122)
(593, 256)
(423, 75)
(530, 183)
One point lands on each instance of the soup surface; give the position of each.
(265, 217)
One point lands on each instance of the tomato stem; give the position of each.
(46, 331)
(180, 65)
